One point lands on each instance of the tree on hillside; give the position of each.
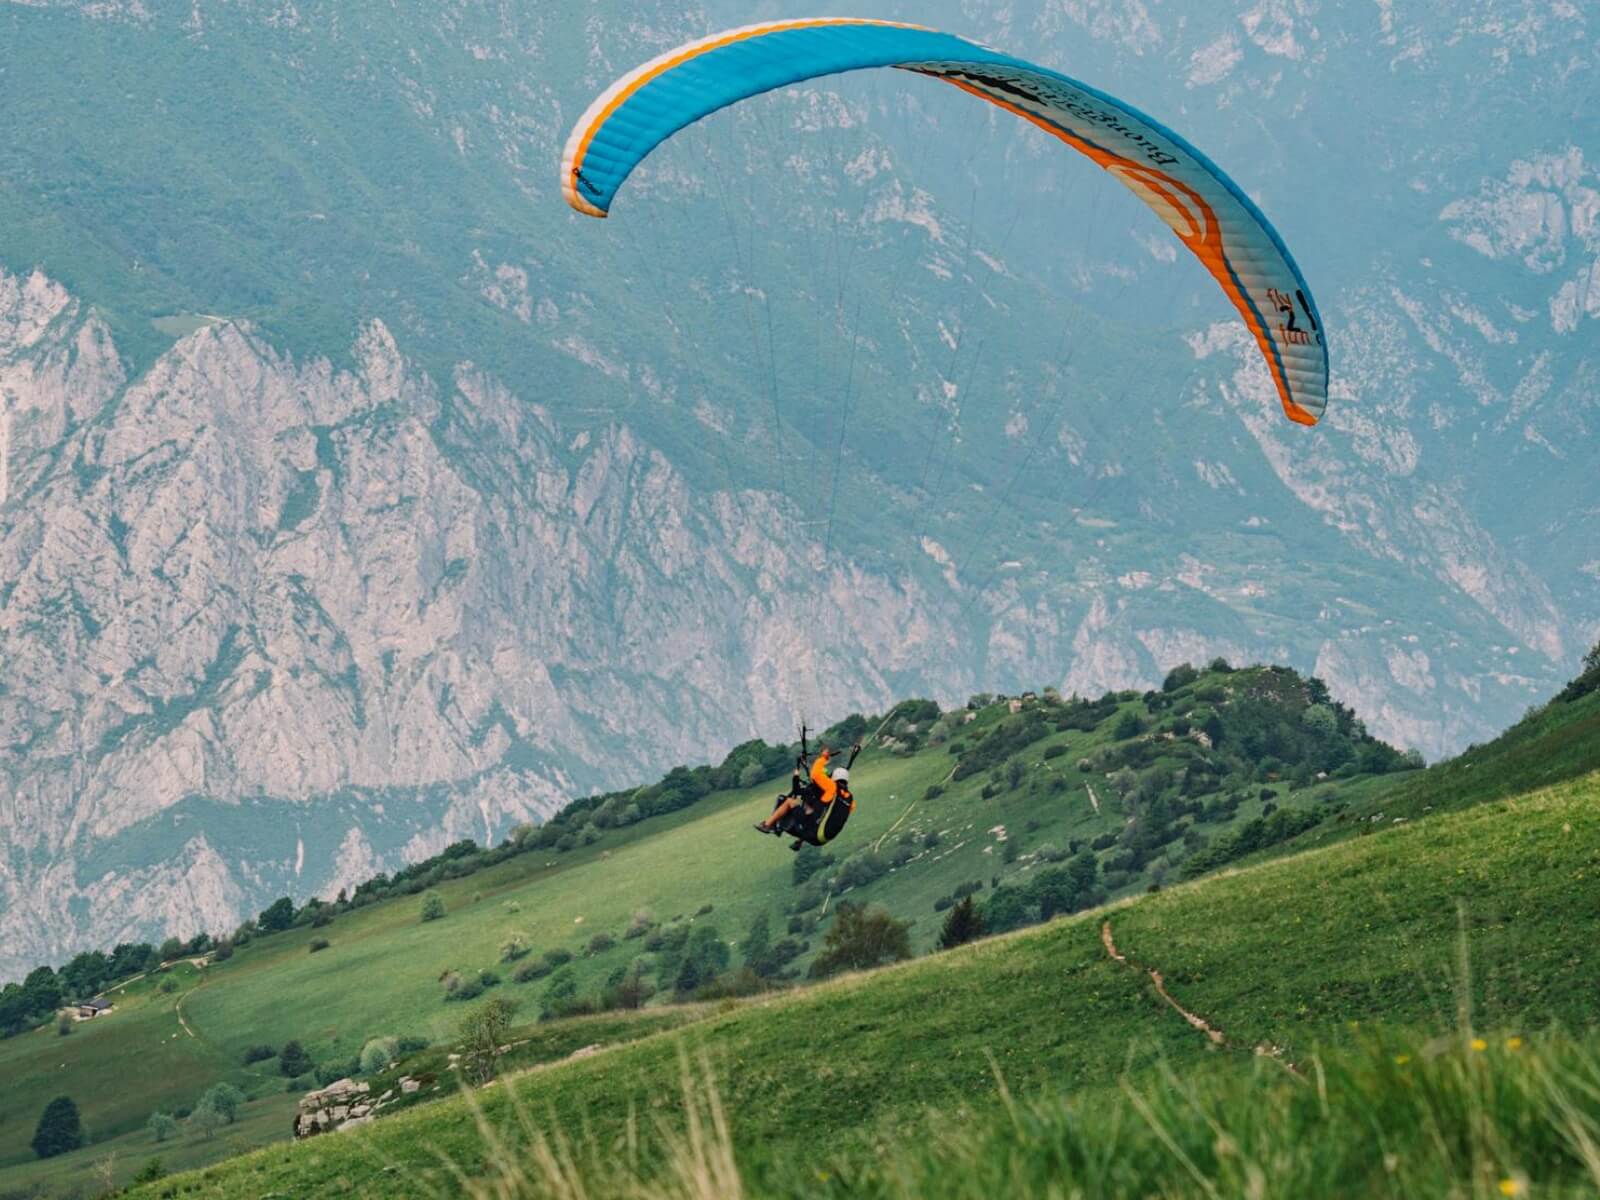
(962, 924)
(293, 1060)
(860, 938)
(162, 1126)
(60, 1129)
(1180, 676)
(757, 942)
(483, 1032)
(277, 916)
(432, 906)
(705, 956)
(208, 1121)
(225, 1099)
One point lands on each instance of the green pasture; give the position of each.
(1482, 918)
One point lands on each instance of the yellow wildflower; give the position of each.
(1513, 1043)
(1513, 1187)
(1401, 1060)
(1479, 1045)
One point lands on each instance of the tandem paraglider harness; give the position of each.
(812, 822)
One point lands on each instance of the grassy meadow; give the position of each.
(1473, 922)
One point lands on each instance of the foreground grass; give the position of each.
(1288, 954)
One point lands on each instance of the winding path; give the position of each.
(1197, 1021)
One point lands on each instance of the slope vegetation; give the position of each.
(1286, 956)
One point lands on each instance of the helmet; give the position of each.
(841, 775)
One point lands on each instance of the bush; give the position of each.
(410, 1044)
(432, 907)
(861, 869)
(933, 793)
(943, 902)
(317, 943)
(528, 972)
(255, 1054)
(488, 978)
(293, 1060)
(152, 1171)
(1055, 751)
(970, 888)
(600, 943)
(461, 989)
(643, 921)
(1051, 854)
(861, 938)
(379, 1054)
(557, 958)
(515, 947)
(330, 1072)
(162, 1126)
(1128, 727)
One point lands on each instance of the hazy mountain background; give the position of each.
(356, 497)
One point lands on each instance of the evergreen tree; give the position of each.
(60, 1129)
(293, 1060)
(962, 924)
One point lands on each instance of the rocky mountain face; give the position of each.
(292, 622)
(355, 498)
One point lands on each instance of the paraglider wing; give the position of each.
(1207, 210)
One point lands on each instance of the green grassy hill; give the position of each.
(1290, 955)
(1053, 807)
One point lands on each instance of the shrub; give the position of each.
(641, 924)
(860, 938)
(410, 1044)
(458, 989)
(1055, 751)
(933, 793)
(557, 958)
(943, 902)
(971, 887)
(859, 870)
(255, 1054)
(317, 943)
(528, 972)
(600, 943)
(515, 947)
(1051, 854)
(432, 906)
(329, 1072)
(1128, 726)
(162, 1126)
(488, 978)
(378, 1055)
(293, 1060)
(152, 1170)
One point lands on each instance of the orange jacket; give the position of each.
(819, 776)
